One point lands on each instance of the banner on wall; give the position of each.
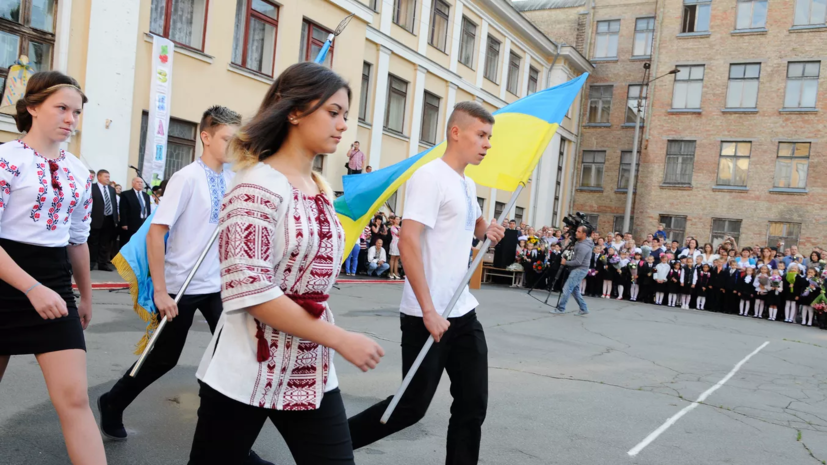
(160, 92)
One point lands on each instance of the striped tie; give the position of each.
(107, 204)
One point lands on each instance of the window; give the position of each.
(696, 16)
(364, 96)
(743, 86)
(751, 14)
(644, 31)
(592, 219)
(618, 223)
(791, 165)
(498, 209)
(492, 58)
(680, 162)
(723, 228)
(675, 227)
(689, 83)
(558, 187)
(181, 21)
(313, 39)
(632, 99)
(802, 84)
(783, 232)
(391, 202)
(533, 80)
(466, 42)
(439, 25)
(513, 83)
(403, 14)
(591, 173)
(430, 118)
(181, 137)
(733, 165)
(397, 97)
(318, 163)
(254, 40)
(600, 104)
(605, 45)
(481, 202)
(810, 12)
(625, 167)
(518, 214)
(27, 27)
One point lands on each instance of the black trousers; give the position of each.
(227, 429)
(99, 242)
(350, 171)
(463, 353)
(167, 349)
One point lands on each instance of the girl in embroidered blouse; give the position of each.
(45, 202)
(281, 247)
(395, 227)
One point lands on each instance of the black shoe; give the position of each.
(105, 267)
(111, 420)
(254, 459)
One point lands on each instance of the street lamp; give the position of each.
(644, 90)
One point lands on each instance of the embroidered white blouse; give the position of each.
(43, 202)
(273, 241)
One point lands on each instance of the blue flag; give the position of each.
(132, 264)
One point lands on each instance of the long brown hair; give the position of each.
(39, 87)
(296, 89)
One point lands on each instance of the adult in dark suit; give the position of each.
(135, 209)
(104, 222)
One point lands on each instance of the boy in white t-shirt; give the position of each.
(442, 217)
(189, 213)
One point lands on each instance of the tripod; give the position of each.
(569, 247)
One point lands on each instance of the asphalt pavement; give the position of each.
(564, 389)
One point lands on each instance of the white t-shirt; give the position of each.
(192, 203)
(446, 203)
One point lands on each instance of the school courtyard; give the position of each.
(617, 387)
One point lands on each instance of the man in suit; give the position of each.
(135, 208)
(104, 221)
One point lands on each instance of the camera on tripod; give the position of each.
(574, 221)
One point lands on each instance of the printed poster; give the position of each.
(155, 154)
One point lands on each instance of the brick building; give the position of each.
(731, 144)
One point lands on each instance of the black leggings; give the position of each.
(227, 429)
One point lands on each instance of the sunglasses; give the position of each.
(54, 169)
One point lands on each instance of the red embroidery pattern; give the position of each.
(88, 202)
(74, 195)
(41, 192)
(5, 165)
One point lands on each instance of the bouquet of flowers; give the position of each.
(515, 267)
(775, 282)
(633, 271)
(820, 307)
(615, 261)
(539, 267)
(764, 282)
(812, 283)
(533, 240)
(592, 272)
(521, 256)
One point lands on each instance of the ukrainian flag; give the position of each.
(133, 266)
(522, 132)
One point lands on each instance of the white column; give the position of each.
(526, 68)
(385, 17)
(546, 179)
(481, 57)
(505, 60)
(381, 95)
(532, 201)
(456, 35)
(450, 101)
(64, 28)
(492, 201)
(110, 85)
(416, 119)
(424, 27)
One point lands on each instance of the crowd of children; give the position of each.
(723, 284)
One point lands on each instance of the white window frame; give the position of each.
(806, 14)
(595, 160)
(745, 14)
(800, 82)
(602, 104)
(783, 178)
(696, 16)
(607, 36)
(735, 154)
(677, 153)
(687, 81)
(742, 88)
(644, 35)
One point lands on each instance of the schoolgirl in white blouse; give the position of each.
(281, 248)
(45, 203)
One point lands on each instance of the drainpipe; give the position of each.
(579, 141)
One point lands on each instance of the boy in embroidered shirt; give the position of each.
(189, 214)
(441, 217)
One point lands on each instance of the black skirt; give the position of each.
(22, 330)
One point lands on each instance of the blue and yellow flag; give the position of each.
(522, 132)
(133, 266)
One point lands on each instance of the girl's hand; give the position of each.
(85, 311)
(48, 303)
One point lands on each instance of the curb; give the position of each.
(105, 286)
(114, 286)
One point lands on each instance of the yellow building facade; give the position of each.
(407, 61)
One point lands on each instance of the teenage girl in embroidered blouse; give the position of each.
(281, 247)
(45, 202)
(394, 274)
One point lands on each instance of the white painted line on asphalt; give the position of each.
(635, 450)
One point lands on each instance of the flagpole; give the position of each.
(422, 353)
(178, 296)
